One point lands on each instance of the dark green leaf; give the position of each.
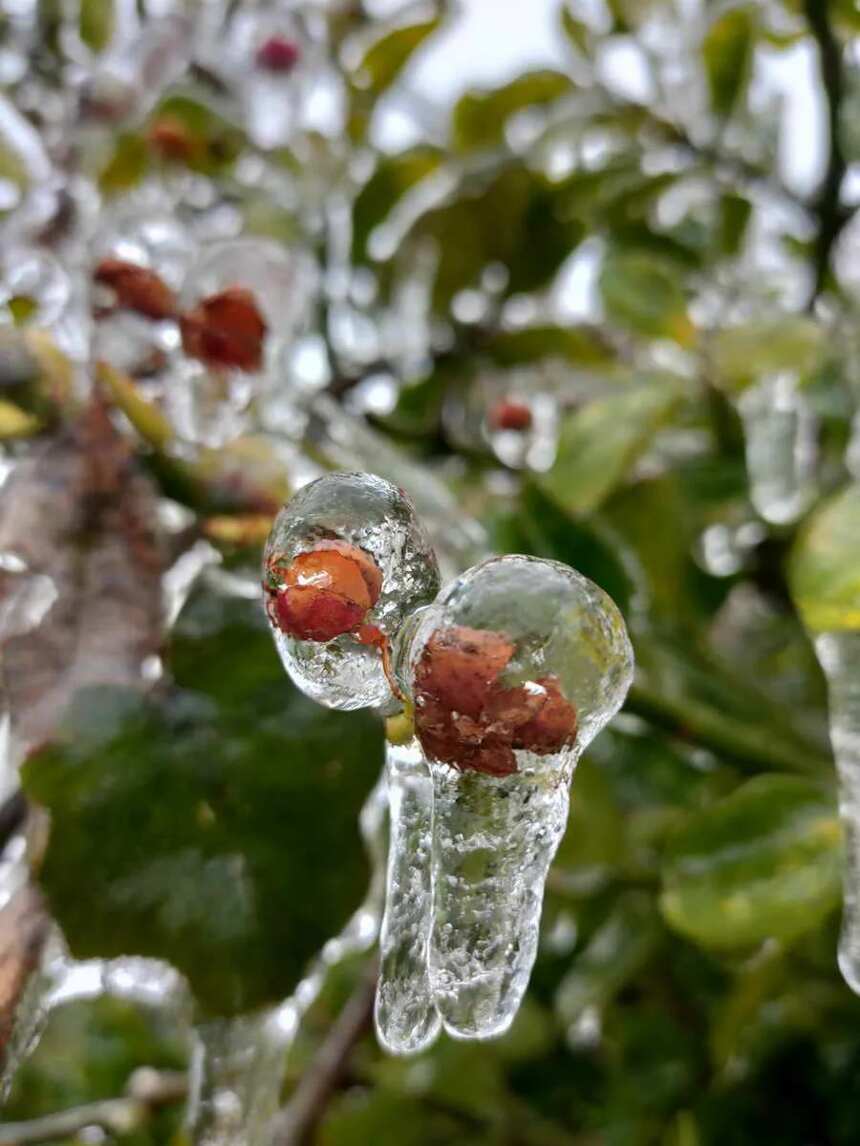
(728, 52)
(480, 116)
(646, 295)
(96, 23)
(216, 828)
(386, 58)
(393, 177)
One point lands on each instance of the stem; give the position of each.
(748, 746)
(832, 217)
(147, 1090)
(296, 1123)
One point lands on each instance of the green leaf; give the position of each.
(512, 217)
(127, 165)
(96, 21)
(577, 345)
(742, 354)
(386, 58)
(393, 177)
(216, 139)
(824, 568)
(577, 31)
(215, 827)
(614, 954)
(599, 443)
(480, 116)
(644, 293)
(763, 863)
(727, 51)
(733, 217)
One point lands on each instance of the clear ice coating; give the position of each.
(839, 654)
(780, 433)
(494, 836)
(208, 404)
(375, 516)
(405, 1015)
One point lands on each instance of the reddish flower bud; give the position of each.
(171, 139)
(466, 716)
(510, 415)
(225, 331)
(324, 592)
(278, 55)
(136, 288)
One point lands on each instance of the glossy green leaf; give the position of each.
(645, 294)
(576, 345)
(393, 177)
(386, 58)
(727, 51)
(763, 863)
(576, 30)
(733, 216)
(215, 827)
(824, 570)
(216, 140)
(599, 443)
(480, 116)
(96, 20)
(127, 165)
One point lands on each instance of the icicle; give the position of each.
(780, 431)
(839, 654)
(513, 671)
(406, 1019)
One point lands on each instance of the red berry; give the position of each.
(278, 54)
(510, 415)
(467, 717)
(136, 288)
(225, 331)
(324, 592)
(171, 138)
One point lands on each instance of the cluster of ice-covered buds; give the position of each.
(497, 683)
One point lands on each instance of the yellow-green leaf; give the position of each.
(763, 863)
(727, 51)
(824, 569)
(96, 19)
(600, 442)
(480, 116)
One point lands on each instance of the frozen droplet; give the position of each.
(839, 654)
(780, 432)
(406, 1018)
(34, 288)
(377, 519)
(513, 671)
(514, 413)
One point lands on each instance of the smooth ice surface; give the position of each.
(779, 428)
(494, 837)
(406, 1019)
(839, 654)
(377, 517)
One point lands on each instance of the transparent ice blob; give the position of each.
(780, 432)
(34, 288)
(512, 671)
(209, 403)
(406, 1018)
(377, 518)
(839, 655)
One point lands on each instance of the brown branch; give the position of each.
(146, 1092)
(832, 216)
(296, 1123)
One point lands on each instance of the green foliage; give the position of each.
(825, 565)
(480, 117)
(727, 51)
(217, 827)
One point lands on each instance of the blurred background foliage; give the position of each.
(616, 241)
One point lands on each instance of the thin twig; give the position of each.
(147, 1090)
(832, 216)
(296, 1123)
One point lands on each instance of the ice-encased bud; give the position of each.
(333, 537)
(780, 432)
(513, 671)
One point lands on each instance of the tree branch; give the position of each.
(832, 216)
(296, 1123)
(147, 1090)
